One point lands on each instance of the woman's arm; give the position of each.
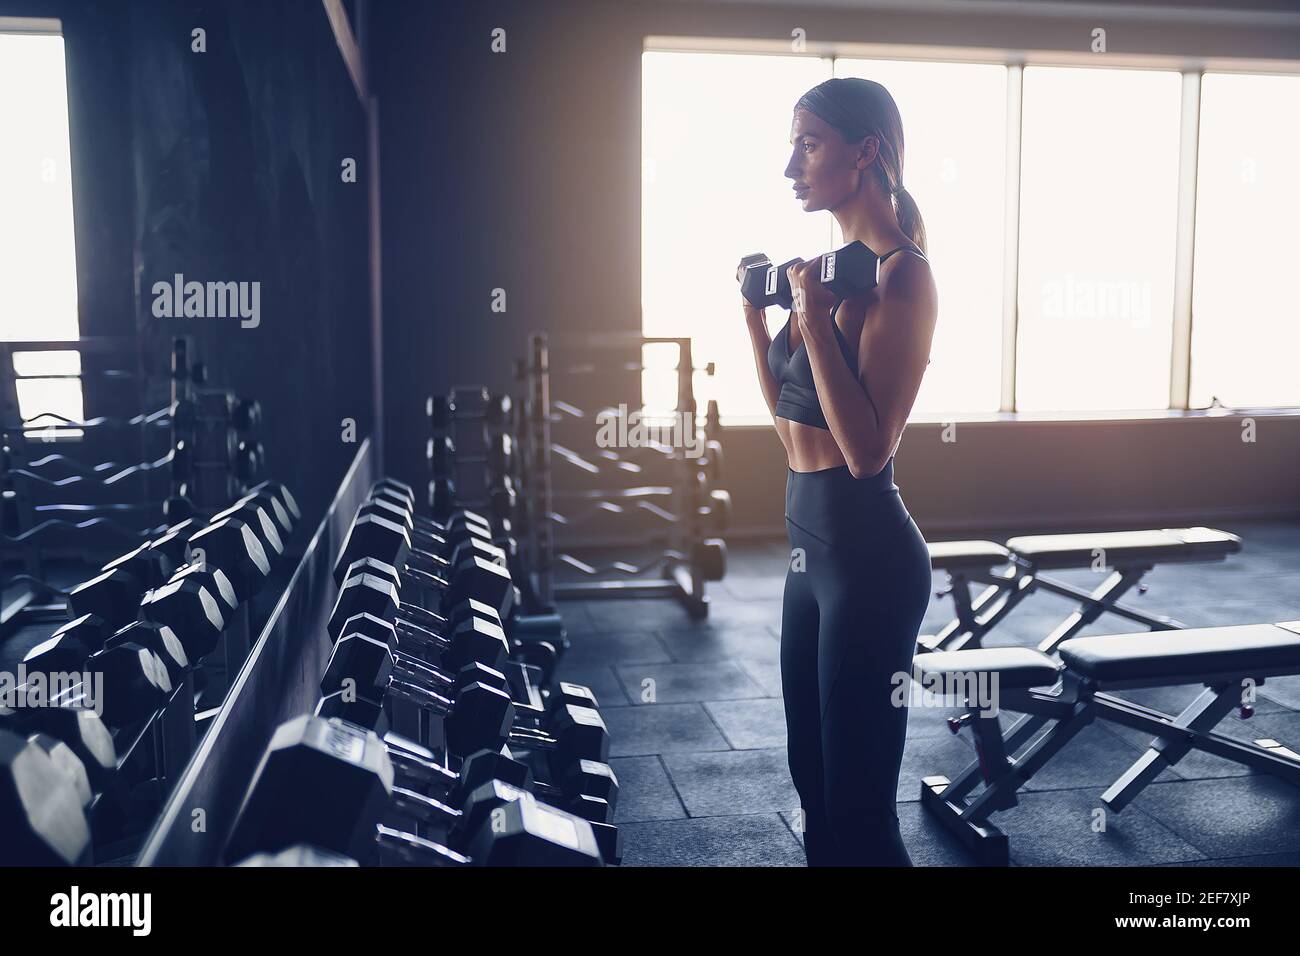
(761, 341)
(892, 354)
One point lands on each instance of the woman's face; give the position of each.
(825, 169)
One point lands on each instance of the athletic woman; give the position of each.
(840, 379)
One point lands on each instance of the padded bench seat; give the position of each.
(1015, 666)
(1047, 551)
(1243, 649)
(967, 555)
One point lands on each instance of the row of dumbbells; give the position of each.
(436, 744)
(103, 717)
(535, 632)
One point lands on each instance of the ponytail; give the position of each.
(909, 218)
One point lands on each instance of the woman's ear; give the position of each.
(868, 151)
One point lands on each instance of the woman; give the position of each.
(840, 379)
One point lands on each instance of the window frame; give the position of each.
(1191, 74)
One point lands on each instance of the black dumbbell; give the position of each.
(586, 788)
(421, 767)
(42, 817)
(284, 522)
(79, 729)
(111, 596)
(328, 784)
(189, 607)
(368, 657)
(442, 546)
(482, 717)
(763, 284)
(367, 665)
(459, 520)
(130, 681)
(372, 536)
(441, 562)
(260, 516)
(231, 549)
(282, 495)
(468, 632)
(850, 270)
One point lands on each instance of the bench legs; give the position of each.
(1002, 775)
(976, 617)
(1003, 767)
(1202, 714)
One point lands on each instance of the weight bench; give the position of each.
(1221, 658)
(1128, 554)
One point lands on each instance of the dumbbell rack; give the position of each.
(689, 558)
(86, 509)
(279, 679)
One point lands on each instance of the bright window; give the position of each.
(1097, 238)
(1245, 337)
(954, 166)
(715, 134)
(1098, 212)
(38, 268)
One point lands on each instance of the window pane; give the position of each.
(715, 143)
(1098, 210)
(954, 165)
(38, 270)
(1245, 337)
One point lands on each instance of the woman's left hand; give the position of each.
(813, 302)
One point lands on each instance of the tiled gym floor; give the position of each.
(703, 769)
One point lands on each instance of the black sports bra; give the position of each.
(798, 401)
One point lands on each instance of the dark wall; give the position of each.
(238, 156)
(225, 166)
(522, 171)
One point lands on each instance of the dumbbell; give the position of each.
(111, 596)
(328, 784)
(483, 717)
(282, 495)
(368, 656)
(763, 284)
(850, 270)
(83, 733)
(189, 607)
(420, 767)
(42, 817)
(461, 800)
(442, 545)
(234, 552)
(298, 855)
(501, 548)
(437, 562)
(586, 788)
(468, 632)
(457, 519)
(367, 665)
(464, 590)
(284, 522)
(372, 536)
(259, 516)
(89, 633)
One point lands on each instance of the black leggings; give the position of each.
(855, 594)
